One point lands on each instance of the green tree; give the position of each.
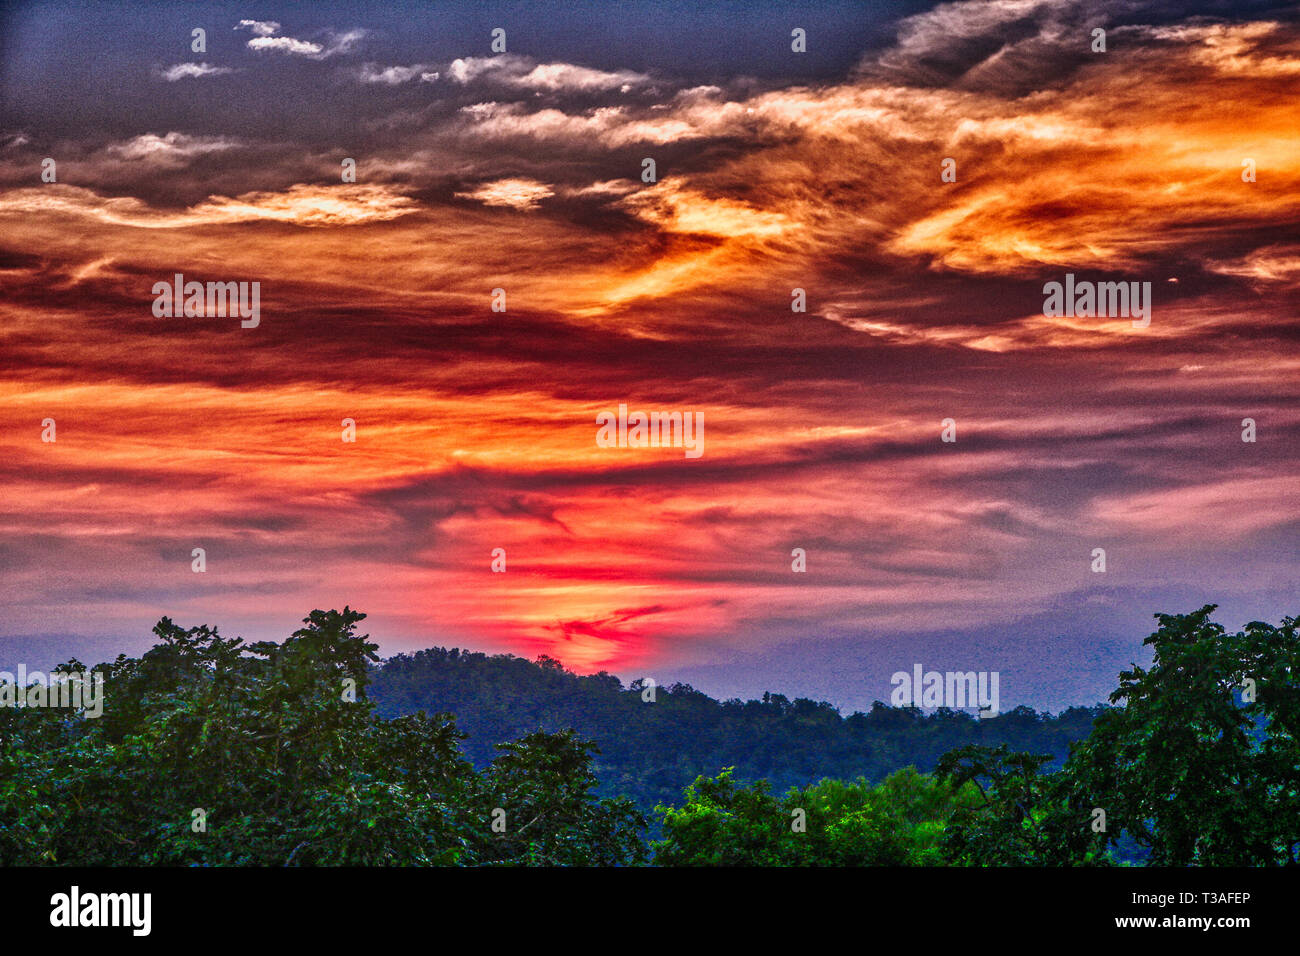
(1022, 817)
(543, 785)
(213, 752)
(832, 823)
(1191, 766)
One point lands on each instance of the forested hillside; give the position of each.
(650, 751)
(209, 751)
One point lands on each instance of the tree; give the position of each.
(213, 752)
(832, 823)
(1022, 818)
(1201, 765)
(542, 783)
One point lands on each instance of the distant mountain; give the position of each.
(650, 751)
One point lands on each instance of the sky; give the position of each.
(774, 170)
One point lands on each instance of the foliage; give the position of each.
(1022, 818)
(650, 751)
(282, 750)
(1195, 768)
(279, 748)
(1199, 766)
(899, 822)
(1190, 766)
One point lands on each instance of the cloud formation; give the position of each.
(922, 298)
(264, 39)
(525, 73)
(183, 71)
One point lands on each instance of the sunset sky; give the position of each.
(476, 429)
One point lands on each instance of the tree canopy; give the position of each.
(211, 751)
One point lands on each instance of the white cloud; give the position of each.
(566, 76)
(612, 126)
(516, 193)
(393, 75)
(522, 73)
(605, 189)
(337, 43)
(1275, 263)
(171, 148)
(286, 45)
(183, 71)
(300, 205)
(261, 28)
(344, 42)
